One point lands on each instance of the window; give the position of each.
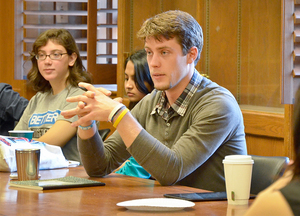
(32, 17)
(107, 32)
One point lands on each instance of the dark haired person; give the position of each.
(56, 71)
(138, 84)
(283, 196)
(12, 106)
(181, 132)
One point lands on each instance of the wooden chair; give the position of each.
(266, 170)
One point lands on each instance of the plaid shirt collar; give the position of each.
(182, 101)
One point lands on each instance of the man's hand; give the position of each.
(94, 104)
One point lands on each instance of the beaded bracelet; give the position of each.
(114, 111)
(122, 114)
(87, 127)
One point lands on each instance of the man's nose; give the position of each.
(154, 60)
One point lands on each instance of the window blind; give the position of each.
(32, 17)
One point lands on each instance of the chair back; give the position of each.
(266, 170)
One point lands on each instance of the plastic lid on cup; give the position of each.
(238, 159)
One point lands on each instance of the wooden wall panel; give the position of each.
(142, 10)
(223, 43)
(260, 52)
(267, 146)
(7, 47)
(189, 6)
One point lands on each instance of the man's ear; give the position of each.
(72, 59)
(192, 55)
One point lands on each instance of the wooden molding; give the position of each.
(288, 130)
(263, 123)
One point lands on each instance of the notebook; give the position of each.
(47, 184)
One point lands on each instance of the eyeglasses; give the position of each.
(52, 56)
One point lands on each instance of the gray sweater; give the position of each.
(186, 150)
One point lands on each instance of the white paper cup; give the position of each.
(238, 173)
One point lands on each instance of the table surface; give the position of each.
(100, 200)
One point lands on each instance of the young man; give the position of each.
(181, 132)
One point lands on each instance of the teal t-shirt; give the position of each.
(132, 168)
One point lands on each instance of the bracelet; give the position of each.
(123, 113)
(114, 111)
(117, 113)
(87, 127)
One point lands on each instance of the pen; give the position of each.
(84, 89)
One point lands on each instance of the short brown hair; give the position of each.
(174, 24)
(62, 37)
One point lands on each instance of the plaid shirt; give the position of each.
(182, 101)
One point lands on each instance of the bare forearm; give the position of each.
(59, 134)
